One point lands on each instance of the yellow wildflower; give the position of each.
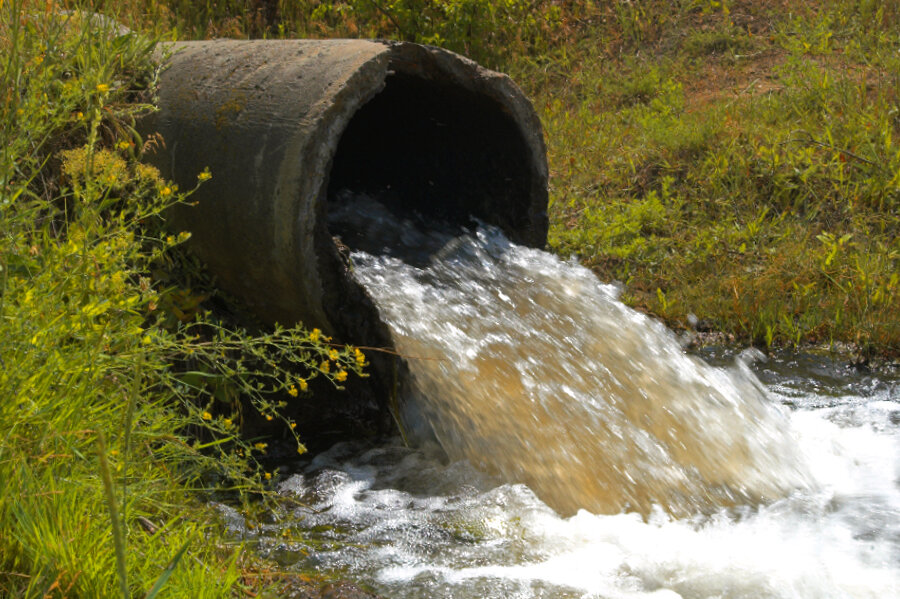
(227, 422)
(102, 88)
(333, 354)
(293, 425)
(165, 191)
(268, 476)
(341, 376)
(268, 417)
(314, 335)
(303, 384)
(207, 416)
(360, 357)
(261, 446)
(205, 175)
(325, 366)
(292, 391)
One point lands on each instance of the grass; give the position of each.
(735, 162)
(732, 161)
(123, 396)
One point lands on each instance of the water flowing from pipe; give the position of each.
(532, 370)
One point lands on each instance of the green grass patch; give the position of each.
(123, 396)
(745, 174)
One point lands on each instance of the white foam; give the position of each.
(536, 373)
(841, 540)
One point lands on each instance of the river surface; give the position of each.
(560, 445)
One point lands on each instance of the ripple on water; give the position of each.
(479, 538)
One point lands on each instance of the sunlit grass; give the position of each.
(121, 396)
(745, 175)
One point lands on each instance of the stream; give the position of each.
(561, 445)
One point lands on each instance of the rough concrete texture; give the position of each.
(286, 126)
(267, 118)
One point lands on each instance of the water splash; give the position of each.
(532, 370)
(414, 528)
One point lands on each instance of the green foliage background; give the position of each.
(120, 411)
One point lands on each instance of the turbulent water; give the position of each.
(529, 368)
(585, 454)
(414, 527)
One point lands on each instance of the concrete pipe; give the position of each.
(284, 125)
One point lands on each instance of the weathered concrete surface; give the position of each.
(286, 125)
(267, 117)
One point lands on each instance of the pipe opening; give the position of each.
(295, 130)
(424, 154)
(434, 153)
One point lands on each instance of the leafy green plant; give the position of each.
(122, 396)
(482, 29)
(727, 40)
(744, 164)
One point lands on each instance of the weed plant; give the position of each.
(736, 161)
(119, 391)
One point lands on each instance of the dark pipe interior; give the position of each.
(434, 155)
(434, 152)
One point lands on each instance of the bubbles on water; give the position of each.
(417, 528)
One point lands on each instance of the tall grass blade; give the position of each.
(118, 534)
(164, 577)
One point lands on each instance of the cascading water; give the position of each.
(686, 481)
(531, 369)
